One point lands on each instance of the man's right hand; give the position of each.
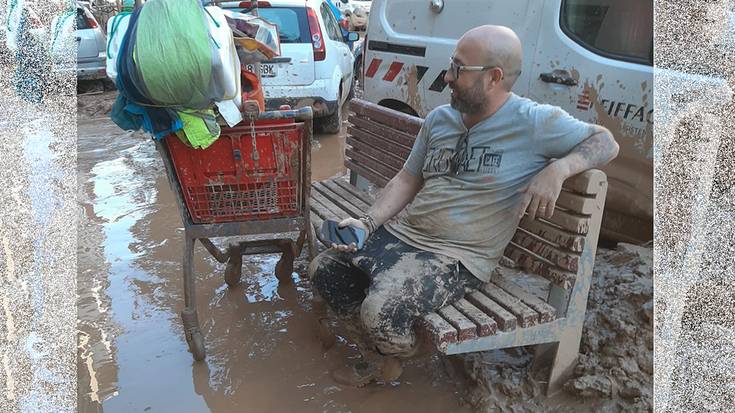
(355, 223)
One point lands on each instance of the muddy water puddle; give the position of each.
(262, 351)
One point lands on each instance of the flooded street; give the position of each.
(262, 351)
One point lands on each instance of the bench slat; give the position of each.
(325, 209)
(390, 117)
(362, 158)
(538, 265)
(346, 195)
(576, 203)
(373, 176)
(440, 330)
(505, 320)
(323, 192)
(466, 329)
(376, 152)
(545, 310)
(527, 317)
(564, 259)
(362, 195)
(384, 137)
(578, 224)
(486, 326)
(559, 236)
(587, 182)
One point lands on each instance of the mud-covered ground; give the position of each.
(262, 351)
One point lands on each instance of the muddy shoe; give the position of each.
(392, 369)
(356, 375)
(362, 373)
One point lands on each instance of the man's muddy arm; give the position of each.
(539, 197)
(398, 193)
(595, 151)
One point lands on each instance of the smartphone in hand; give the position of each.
(343, 236)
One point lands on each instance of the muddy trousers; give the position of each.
(383, 289)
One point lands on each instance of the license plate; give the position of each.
(266, 69)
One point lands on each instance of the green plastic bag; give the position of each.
(173, 53)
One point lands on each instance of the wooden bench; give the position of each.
(501, 314)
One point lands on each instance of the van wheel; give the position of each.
(333, 122)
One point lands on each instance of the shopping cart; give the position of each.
(252, 181)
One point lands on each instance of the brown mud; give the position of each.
(263, 354)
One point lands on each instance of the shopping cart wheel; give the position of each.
(233, 270)
(193, 335)
(196, 346)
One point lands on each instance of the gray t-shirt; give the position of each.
(472, 216)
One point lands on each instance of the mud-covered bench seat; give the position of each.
(502, 313)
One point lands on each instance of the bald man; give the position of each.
(477, 165)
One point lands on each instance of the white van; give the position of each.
(591, 57)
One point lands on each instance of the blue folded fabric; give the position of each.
(132, 108)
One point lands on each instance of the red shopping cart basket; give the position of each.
(249, 173)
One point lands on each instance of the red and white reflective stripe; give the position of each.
(584, 102)
(373, 68)
(393, 71)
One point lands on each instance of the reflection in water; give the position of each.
(262, 351)
(327, 156)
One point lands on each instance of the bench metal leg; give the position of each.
(565, 358)
(192, 332)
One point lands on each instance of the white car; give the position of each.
(316, 65)
(78, 45)
(92, 46)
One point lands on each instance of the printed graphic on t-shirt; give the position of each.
(482, 160)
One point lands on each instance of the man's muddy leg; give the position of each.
(338, 282)
(337, 285)
(417, 284)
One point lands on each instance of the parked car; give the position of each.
(356, 11)
(92, 46)
(315, 68)
(594, 59)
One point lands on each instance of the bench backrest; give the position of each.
(561, 249)
(379, 140)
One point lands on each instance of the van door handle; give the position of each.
(561, 77)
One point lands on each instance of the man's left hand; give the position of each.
(539, 197)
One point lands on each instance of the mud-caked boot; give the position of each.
(363, 372)
(391, 369)
(356, 375)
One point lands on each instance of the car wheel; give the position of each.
(333, 122)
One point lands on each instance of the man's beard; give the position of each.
(471, 101)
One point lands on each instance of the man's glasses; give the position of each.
(459, 154)
(455, 69)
